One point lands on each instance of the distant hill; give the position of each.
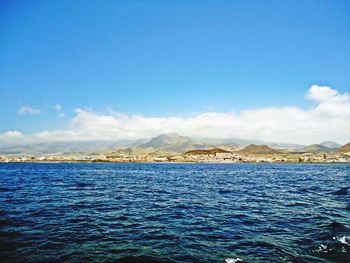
(316, 148)
(172, 142)
(331, 144)
(61, 147)
(246, 142)
(257, 149)
(167, 140)
(124, 151)
(344, 149)
(206, 152)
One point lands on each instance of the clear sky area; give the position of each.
(129, 69)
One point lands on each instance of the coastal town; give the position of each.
(249, 154)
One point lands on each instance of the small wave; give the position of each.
(325, 236)
(224, 191)
(83, 184)
(5, 222)
(297, 204)
(342, 191)
(144, 259)
(9, 234)
(336, 225)
(121, 218)
(233, 260)
(180, 206)
(161, 192)
(261, 244)
(160, 237)
(240, 216)
(50, 245)
(80, 205)
(4, 189)
(344, 240)
(248, 222)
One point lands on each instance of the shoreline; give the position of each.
(102, 162)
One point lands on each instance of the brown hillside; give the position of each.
(206, 152)
(345, 148)
(257, 149)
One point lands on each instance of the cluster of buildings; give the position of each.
(196, 157)
(262, 158)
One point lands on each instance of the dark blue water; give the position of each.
(174, 212)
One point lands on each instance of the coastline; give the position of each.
(141, 162)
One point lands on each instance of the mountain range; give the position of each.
(171, 142)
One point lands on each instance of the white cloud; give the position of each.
(59, 110)
(327, 119)
(10, 135)
(26, 109)
(58, 107)
(324, 94)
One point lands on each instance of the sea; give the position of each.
(144, 212)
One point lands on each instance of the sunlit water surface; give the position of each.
(174, 212)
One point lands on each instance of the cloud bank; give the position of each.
(328, 118)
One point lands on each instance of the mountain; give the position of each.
(316, 148)
(206, 152)
(331, 144)
(344, 149)
(257, 149)
(167, 140)
(60, 147)
(245, 142)
(172, 142)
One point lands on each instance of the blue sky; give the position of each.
(165, 58)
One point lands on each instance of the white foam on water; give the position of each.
(344, 240)
(321, 248)
(233, 260)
